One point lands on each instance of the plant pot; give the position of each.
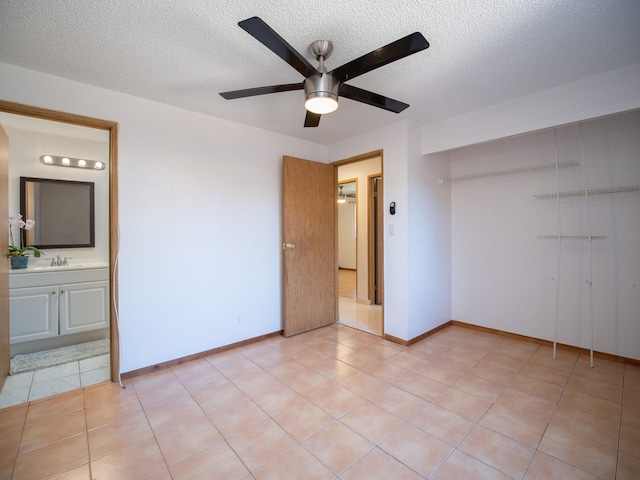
(19, 262)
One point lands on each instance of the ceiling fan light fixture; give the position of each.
(321, 92)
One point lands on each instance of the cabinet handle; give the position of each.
(61, 291)
(54, 292)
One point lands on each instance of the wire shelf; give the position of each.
(511, 171)
(581, 193)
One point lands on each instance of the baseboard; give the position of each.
(408, 343)
(539, 341)
(196, 356)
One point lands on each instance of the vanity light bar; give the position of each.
(71, 162)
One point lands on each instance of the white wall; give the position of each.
(416, 296)
(347, 235)
(505, 278)
(591, 97)
(361, 171)
(199, 204)
(25, 148)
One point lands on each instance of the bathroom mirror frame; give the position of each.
(69, 204)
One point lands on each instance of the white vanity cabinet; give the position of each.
(49, 304)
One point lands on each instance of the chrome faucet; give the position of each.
(59, 261)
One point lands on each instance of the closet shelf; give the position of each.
(511, 171)
(581, 193)
(570, 237)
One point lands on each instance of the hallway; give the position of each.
(367, 318)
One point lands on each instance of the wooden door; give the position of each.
(4, 264)
(309, 245)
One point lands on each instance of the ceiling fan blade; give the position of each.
(312, 119)
(370, 98)
(382, 56)
(262, 32)
(252, 92)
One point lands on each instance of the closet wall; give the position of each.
(506, 277)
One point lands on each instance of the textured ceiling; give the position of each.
(185, 52)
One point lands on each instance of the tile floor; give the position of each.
(353, 314)
(338, 403)
(42, 383)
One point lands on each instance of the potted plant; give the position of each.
(18, 255)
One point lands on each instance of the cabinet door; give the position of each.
(83, 307)
(33, 313)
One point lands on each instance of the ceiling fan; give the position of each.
(321, 87)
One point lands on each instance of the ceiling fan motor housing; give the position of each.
(324, 85)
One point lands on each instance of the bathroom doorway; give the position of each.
(57, 129)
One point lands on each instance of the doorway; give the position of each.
(58, 124)
(360, 245)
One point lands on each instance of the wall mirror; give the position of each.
(63, 211)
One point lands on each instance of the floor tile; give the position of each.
(52, 459)
(186, 421)
(460, 465)
(378, 465)
(463, 403)
(260, 443)
(187, 438)
(303, 420)
(337, 401)
(421, 386)
(442, 423)
(596, 388)
(372, 422)
(601, 430)
(118, 435)
(514, 425)
(220, 459)
(364, 385)
(417, 449)
(337, 446)
(572, 399)
(545, 374)
(527, 405)
(294, 464)
(139, 461)
(112, 411)
(51, 430)
(479, 387)
(235, 418)
(9, 444)
(545, 467)
(498, 451)
(536, 388)
(628, 467)
(579, 451)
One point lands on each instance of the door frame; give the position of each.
(355, 159)
(112, 128)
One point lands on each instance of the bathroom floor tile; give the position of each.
(379, 465)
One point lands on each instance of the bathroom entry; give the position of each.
(66, 134)
(360, 242)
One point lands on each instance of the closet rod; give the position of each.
(570, 237)
(582, 193)
(511, 171)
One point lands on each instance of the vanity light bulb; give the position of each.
(98, 165)
(66, 161)
(48, 159)
(82, 163)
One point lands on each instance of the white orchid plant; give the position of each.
(20, 224)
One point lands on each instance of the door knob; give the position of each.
(288, 246)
